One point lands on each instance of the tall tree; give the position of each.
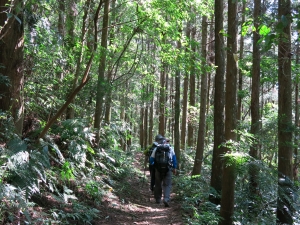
(70, 110)
(185, 90)
(216, 174)
(203, 96)
(85, 78)
(296, 142)
(190, 139)
(285, 149)
(102, 65)
(11, 60)
(112, 31)
(162, 99)
(177, 107)
(228, 180)
(70, 39)
(255, 117)
(240, 84)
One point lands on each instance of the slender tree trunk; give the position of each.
(285, 149)
(296, 142)
(255, 117)
(70, 110)
(241, 55)
(177, 111)
(101, 76)
(202, 119)
(61, 32)
(216, 174)
(151, 111)
(142, 114)
(122, 140)
(211, 60)
(146, 113)
(162, 100)
(185, 92)
(110, 73)
(11, 62)
(228, 181)
(190, 139)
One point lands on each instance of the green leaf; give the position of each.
(264, 30)
(18, 19)
(9, 15)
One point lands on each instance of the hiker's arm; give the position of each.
(151, 160)
(174, 160)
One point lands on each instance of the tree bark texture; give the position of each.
(11, 61)
(228, 181)
(285, 149)
(185, 92)
(255, 116)
(203, 98)
(101, 76)
(190, 139)
(177, 111)
(296, 142)
(219, 98)
(162, 100)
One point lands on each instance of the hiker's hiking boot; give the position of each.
(157, 201)
(166, 203)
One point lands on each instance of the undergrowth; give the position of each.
(58, 180)
(194, 193)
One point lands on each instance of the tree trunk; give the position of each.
(70, 114)
(228, 181)
(255, 117)
(190, 139)
(285, 149)
(177, 111)
(84, 80)
(296, 142)
(185, 92)
(202, 119)
(142, 114)
(218, 150)
(162, 100)
(151, 111)
(101, 76)
(107, 116)
(240, 84)
(11, 62)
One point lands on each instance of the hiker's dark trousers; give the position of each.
(163, 184)
(152, 176)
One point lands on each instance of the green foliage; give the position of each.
(4, 80)
(193, 192)
(93, 189)
(67, 171)
(81, 214)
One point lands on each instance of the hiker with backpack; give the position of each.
(163, 159)
(148, 153)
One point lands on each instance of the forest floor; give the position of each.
(135, 203)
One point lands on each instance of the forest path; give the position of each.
(135, 204)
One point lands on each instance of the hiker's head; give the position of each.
(168, 140)
(158, 137)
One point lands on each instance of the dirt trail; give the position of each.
(137, 205)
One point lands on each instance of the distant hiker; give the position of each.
(148, 153)
(163, 159)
